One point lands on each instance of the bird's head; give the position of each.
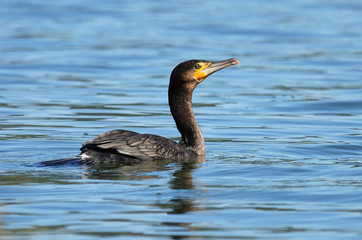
(193, 72)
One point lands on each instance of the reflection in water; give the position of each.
(180, 205)
(175, 197)
(135, 171)
(182, 179)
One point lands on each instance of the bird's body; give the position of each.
(123, 146)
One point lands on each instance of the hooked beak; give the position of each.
(216, 66)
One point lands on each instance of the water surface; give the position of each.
(283, 130)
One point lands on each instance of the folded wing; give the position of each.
(140, 146)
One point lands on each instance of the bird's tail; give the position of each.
(62, 161)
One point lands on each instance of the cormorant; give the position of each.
(122, 146)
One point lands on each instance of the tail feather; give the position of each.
(62, 161)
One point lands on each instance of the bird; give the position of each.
(123, 146)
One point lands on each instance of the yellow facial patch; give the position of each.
(199, 75)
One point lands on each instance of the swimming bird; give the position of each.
(123, 146)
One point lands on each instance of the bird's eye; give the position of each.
(197, 66)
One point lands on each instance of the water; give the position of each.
(283, 130)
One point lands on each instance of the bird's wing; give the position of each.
(141, 146)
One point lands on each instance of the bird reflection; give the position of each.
(119, 171)
(183, 180)
(184, 196)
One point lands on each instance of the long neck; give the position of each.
(180, 101)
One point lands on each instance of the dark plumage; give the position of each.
(122, 146)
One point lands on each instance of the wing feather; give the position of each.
(141, 146)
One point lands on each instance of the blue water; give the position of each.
(283, 130)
